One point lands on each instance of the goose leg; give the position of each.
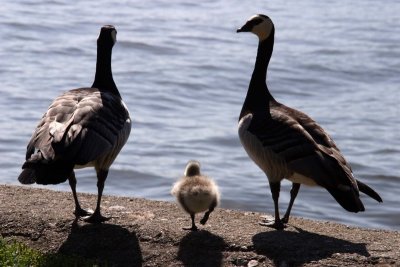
(207, 214)
(194, 227)
(277, 223)
(79, 212)
(96, 217)
(293, 195)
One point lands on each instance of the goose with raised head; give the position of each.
(84, 127)
(286, 143)
(196, 193)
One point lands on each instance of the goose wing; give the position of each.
(79, 126)
(315, 130)
(304, 147)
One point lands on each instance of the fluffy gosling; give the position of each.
(196, 193)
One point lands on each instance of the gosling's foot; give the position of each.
(204, 220)
(193, 228)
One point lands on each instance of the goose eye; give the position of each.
(255, 22)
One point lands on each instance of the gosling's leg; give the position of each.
(207, 214)
(79, 212)
(194, 227)
(293, 195)
(96, 217)
(192, 215)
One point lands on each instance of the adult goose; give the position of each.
(196, 193)
(84, 127)
(286, 143)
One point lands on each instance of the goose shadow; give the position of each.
(108, 244)
(201, 248)
(301, 247)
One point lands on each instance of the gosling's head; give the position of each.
(107, 36)
(261, 25)
(192, 168)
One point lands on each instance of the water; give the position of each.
(183, 72)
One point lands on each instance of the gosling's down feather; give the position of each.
(82, 127)
(196, 193)
(286, 143)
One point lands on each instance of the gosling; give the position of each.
(196, 193)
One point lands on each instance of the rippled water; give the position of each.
(183, 72)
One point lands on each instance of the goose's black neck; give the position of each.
(103, 79)
(258, 96)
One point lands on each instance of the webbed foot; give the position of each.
(285, 220)
(96, 217)
(193, 228)
(276, 224)
(79, 212)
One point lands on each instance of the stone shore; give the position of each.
(149, 233)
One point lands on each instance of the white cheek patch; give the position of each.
(263, 30)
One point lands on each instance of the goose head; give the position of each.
(192, 168)
(260, 25)
(107, 36)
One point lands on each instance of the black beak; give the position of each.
(245, 28)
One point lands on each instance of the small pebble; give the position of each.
(116, 207)
(160, 234)
(252, 263)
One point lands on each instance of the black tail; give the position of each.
(45, 173)
(27, 176)
(348, 199)
(368, 191)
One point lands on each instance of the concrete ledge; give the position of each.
(149, 233)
